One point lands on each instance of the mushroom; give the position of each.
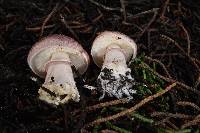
(51, 58)
(111, 51)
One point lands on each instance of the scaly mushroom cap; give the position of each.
(108, 38)
(42, 51)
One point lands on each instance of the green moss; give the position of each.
(116, 128)
(147, 83)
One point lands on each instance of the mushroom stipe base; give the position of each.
(58, 93)
(115, 84)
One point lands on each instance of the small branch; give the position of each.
(185, 103)
(172, 125)
(148, 25)
(132, 109)
(48, 17)
(160, 63)
(105, 104)
(68, 27)
(197, 82)
(105, 7)
(146, 12)
(170, 40)
(193, 60)
(163, 10)
(170, 80)
(123, 9)
(98, 17)
(191, 123)
(187, 37)
(35, 29)
(166, 114)
(132, 24)
(161, 122)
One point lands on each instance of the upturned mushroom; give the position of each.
(51, 58)
(111, 51)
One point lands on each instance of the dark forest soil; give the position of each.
(166, 32)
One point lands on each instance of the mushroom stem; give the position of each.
(115, 78)
(114, 58)
(59, 85)
(59, 69)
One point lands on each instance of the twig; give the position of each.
(160, 63)
(172, 125)
(185, 103)
(105, 104)
(163, 10)
(161, 122)
(132, 109)
(166, 114)
(148, 25)
(191, 59)
(98, 17)
(196, 60)
(196, 84)
(167, 54)
(169, 79)
(68, 27)
(187, 36)
(132, 24)
(123, 9)
(47, 18)
(105, 7)
(78, 26)
(191, 123)
(197, 117)
(35, 29)
(168, 39)
(146, 12)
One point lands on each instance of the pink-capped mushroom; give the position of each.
(51, 58)
(111, 51)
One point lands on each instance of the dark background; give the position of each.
(24, 22)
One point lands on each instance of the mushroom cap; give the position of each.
(42, 51)
(107, 38)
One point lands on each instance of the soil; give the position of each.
(164, 30)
